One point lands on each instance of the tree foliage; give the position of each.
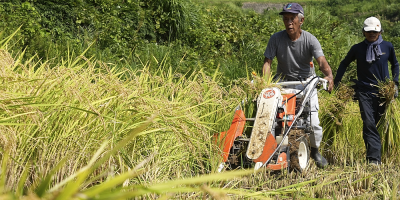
(193, 34)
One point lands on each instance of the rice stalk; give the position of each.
(67, 112)
(334, 106)
(389, 124)
(70, 109)
(256, 84)
(341, 122)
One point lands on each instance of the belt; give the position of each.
(291, 79)
(294, 79)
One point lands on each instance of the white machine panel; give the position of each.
(267, 105)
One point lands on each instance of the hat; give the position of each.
(372, 24)
(292, 8)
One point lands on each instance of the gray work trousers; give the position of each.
(316, 135)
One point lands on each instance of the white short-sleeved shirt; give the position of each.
(294, 57)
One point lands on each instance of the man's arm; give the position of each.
(267, 67)
(395, 65)
(395, 71)
(326, 70)
(350, 57)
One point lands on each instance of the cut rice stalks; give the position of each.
(333, 110)
(389, 124)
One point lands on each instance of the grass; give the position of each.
(87, 129)
(258, 1)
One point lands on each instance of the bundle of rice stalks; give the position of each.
(389, 124)
(386, 91)
(334, 115)
(256, 84)
(345, 93)
(336, 104)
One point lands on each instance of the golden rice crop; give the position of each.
(88, 130)
(254, 84)
(334, 112)
(48, 114)
(389, 124)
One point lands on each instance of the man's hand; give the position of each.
(330, 83)
(326, 70)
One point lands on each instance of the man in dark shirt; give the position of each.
(372, 55)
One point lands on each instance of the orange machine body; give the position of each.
(281, 163)
(290, 111)
(227, 138)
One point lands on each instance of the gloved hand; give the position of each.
(396, 91)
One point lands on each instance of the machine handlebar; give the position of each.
(321, 81)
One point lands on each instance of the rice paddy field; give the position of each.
(81, 131)
(79, 127)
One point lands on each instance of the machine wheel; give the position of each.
(299, 151)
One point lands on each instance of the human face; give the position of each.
(371, 36)
(292, 23)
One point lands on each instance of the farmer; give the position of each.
(372, 57)
(295, 49)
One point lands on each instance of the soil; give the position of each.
(294, 136)
(262, 7)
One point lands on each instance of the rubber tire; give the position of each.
(299, 146)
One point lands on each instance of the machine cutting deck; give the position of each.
(277, 137)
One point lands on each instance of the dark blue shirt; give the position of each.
(368, 74)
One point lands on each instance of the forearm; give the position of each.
(325, 68)
(395, 66)
(267, 67)
(350, 57)
(340, 72)
(395, 73)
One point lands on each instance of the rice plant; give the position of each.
(51, 114)
(334, 110)
(92, 130)
(389, 124)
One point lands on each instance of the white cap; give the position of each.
(372, 24)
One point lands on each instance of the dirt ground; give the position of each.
(261, 7)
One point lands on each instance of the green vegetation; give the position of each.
(121, 99)
(260, 1)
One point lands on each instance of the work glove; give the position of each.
(396, 91)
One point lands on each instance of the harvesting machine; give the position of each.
(276, 136)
